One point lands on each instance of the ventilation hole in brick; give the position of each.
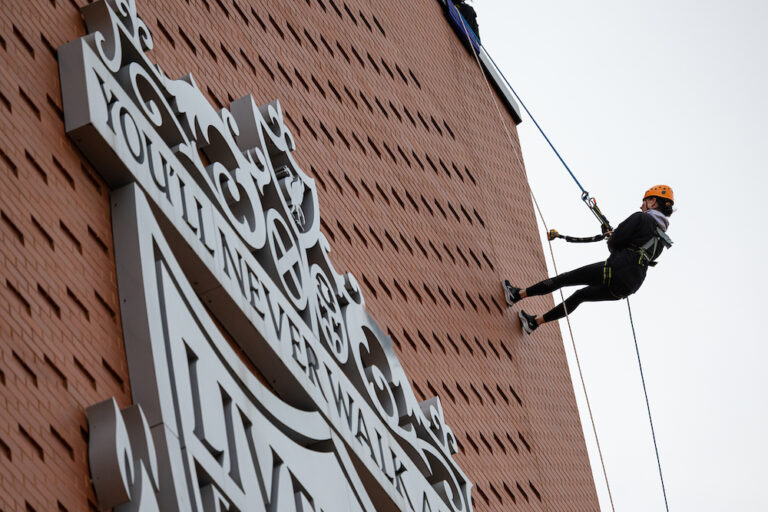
(480, 346)
(113, 373)
(107, 308)
(397, 198)
(333, 4)
(474, 257)
(485, 304)
(258, 20)
(449, 253)
(35, 445)
(360, 235)
(378, 25)
(327, 229)
(387, 68)
(345, 234)
(294, 126)
(327, 46)
(402, 292)
(434, 250)
(6, 103)
(92, 506)
(84, 434)
(453, 344)
(480, 219)
(471, 302)
(389, 151)
(445, 169)
(368, 190)
(424, 341)
(431, 163)
(440, 209)
(9, 163)
(448, 391)
(214, 99)
(535, 490)
(495, 492)
(248, 61)
(293, 33)
(426, 205)
(352, 98)
(240, 12)
(485, 257)
(23, 41)
(418, 390)
(483, 495)
(333, 90)
(71, 236)
(413, 346)
(519, 488)
(488, 391)
(63, 442)
(343, 53)
(373, 63)
(461, 391)
(357, 56)
(376, 238)
(423, 122)
(78, 303)
(301, 79)
(6, 450)
(65, 174)
(466, 214)
(36, 166)
(365, 21)
(455, 215)
(472, 386)
(418, 297)
(352, 185)
(498, 307)
(24, 302)
(381, 192)
(207, 5)
(506, 350)
(309, 127)
(493, 349)
(165, 33)
(444, 296)
(514, 393)
(500, 443)
(391, 240)
(467, 345)
(56, 371)
(317, 177)
(28, 507)
(52, 303)
(209, 49)
(442, 347)
(397, 115)
(55, 107)
(461, 254)
(429, 293)
(85, 372)
(228, 55)
(432, 389)
(188, 41)
(285, 74)
(96, 238)
(421, 247)
(349, 13)
(381, 107)
(509, 492)
(374, 147)
(365, 100)
(359, 143)
(277, 28)
(61, 507)
(14, 229)
(24, 366)
(473, 445)
(413, 77)
(522, 440)
(437, 126)
(336, 182)
(409, 116)
(394, 339)
(266, 68)
(406, 244)
(448, 128)
(486, 443)
(461, 448)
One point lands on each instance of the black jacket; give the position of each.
(626, 268)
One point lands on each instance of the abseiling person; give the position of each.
(635, 245)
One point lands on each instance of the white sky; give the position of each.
(634, 94)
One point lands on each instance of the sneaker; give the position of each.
(528, 322)
(511, 294)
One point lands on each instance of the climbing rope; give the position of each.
(551, 235)
(648, 406)
(554, 264)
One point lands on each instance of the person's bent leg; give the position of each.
(588, 294)
(591, 275)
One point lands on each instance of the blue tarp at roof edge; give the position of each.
(470, 41)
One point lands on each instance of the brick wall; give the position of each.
(423, 196)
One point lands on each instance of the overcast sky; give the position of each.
(635, 94)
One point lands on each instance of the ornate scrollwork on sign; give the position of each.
(245, 220)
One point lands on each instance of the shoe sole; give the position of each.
(506, 285)
(524, 323)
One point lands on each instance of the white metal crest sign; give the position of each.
(213, 218)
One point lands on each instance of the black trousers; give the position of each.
(596, 276)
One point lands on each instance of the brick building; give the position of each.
(421, 197)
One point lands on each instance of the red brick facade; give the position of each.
(422, 197)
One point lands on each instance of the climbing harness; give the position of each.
(649, 250)
(659, 237)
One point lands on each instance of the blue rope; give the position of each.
(537, 125)
(648, 406)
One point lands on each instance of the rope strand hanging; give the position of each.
(591, 203)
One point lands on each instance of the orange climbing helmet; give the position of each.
(661, 191)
